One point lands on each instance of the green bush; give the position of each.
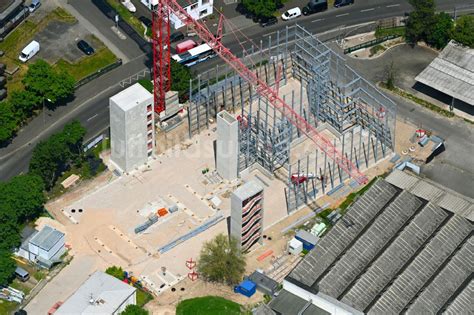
(382, 32)
(116, 271)
(375, 49)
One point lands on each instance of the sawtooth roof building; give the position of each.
(405, 246)
(452, 73)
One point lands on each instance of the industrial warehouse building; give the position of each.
(452, 74)
(100, 294)
(405, 246)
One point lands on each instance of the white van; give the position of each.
(291, 14)
(29, 51)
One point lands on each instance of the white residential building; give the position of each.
(100, 294)
(198, 9)
(132, 134)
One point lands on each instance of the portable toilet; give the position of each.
(295, 247)
(246, 288)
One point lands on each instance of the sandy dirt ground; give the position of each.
(99, 217)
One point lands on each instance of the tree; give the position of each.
(8, 122)
(74, 134)
(116, 272)
(180, 76)
(48, 84)
(7, 267)
(134, 310)
(420, 21)
(55, 155)
(261, 8)
(464, 30)
(49, 159)
(9, 228)
(390, 76)
(441, 32)
(24, 103)
(24, 193)
(221, 260)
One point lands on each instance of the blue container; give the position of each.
(246, 288)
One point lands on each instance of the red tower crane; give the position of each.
(162, 81)
(161, 54)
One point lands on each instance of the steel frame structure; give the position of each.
(260, 86)
(330, 95)
(161, 54)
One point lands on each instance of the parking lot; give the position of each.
(59, 40)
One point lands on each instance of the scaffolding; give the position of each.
(318, 84)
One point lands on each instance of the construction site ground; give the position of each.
(99, 218)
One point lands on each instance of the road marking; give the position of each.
(342, 14)
(393, 5)
(92, 117)
(318, 20)
(367, 10)
(265, 35)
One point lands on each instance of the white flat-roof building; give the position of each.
(132, 134)
(198, 9)
(44, 247)
(100, 294)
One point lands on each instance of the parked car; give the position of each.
(146, 21)
(29, 51)
(176, 37)
(291, 14)
(267, 21)
(315, 6)
(341, 3)
(35, 4)
(22, 274)
(129, 5)
(85, 47)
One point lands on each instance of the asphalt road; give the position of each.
(90, 106)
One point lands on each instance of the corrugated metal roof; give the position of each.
(46, 238)
(401, 179)
(453, 203)
(426, 190)
(452, 72)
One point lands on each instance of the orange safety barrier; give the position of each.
(265, 255)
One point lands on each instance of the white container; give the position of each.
(295, 247)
